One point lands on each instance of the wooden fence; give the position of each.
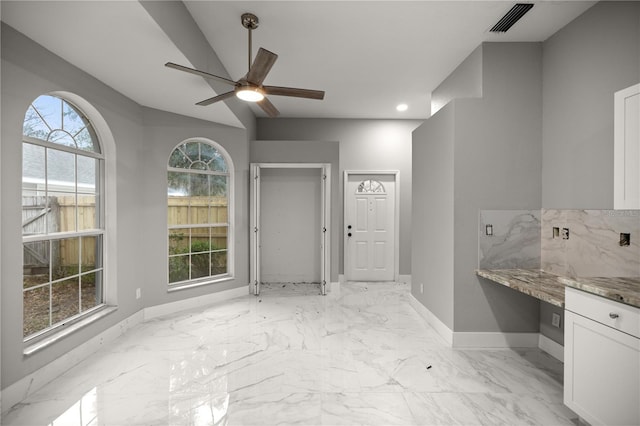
(58, 214)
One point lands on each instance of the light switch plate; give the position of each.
(488, 230)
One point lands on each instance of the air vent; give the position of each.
(511, 17)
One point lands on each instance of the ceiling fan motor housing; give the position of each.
(250, 21)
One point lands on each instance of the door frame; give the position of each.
(325, 219)
(396, 218)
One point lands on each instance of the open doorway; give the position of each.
(290, 211)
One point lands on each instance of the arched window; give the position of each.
(62, 216)
(198, 212)
(370, 186)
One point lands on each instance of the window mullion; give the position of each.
(53, 145)
(46, 189)
(50, 304)
(80, 243)
(63, 235)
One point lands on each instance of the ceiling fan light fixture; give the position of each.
(250, 94)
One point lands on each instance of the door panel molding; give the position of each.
(396, 209)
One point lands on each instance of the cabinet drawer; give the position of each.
(613, 314)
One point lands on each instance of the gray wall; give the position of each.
(364, 145)
(567, 118)
(464, 82)
(497, 158)
(162, 132)
(496, 162)
(143, 140)
(296, 151)
(583, 65)
(432, 249)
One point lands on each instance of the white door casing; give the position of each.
(324, 228)
(371, 226)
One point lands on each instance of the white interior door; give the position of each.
(370, 227)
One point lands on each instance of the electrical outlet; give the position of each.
(625, 239)
(421, 288)
(138, 293)
(555, 320)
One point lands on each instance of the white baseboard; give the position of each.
(194, 302)
(401, 279)
(26, 386)
(551, 347)
(494, 340)
(487, 340)
(440, 327)
(404, 279)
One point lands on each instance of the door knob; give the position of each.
(349, 234)
(349, 227)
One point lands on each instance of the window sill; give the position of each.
(49, 339)
(187, 285)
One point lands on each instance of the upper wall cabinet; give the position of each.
(626, 125)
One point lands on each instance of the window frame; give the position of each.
(54, 331)
(230, 224)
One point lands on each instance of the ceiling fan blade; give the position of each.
(216, 98)
(292, 91)
(268, 107)
(200, 73)
(261, 66)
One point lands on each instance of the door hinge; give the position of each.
(255, 229)
(324, 177)
(324, 229)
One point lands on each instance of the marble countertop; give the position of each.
(534, 282)
(624, 290)
(550, 287)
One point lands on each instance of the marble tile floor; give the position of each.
(358, 356)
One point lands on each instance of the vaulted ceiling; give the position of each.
(368, 56)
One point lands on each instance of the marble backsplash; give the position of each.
(515, 242)
(527, 239)
(593, 248)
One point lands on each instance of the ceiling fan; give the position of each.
(250, 88)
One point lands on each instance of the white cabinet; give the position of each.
(626, 128)
(602, 359)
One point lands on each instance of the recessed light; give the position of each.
(402, 107)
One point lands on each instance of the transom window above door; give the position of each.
(370, 186)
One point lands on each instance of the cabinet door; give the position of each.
(601, 372)
(627, 148)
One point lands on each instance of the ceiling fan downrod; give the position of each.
(250, 22)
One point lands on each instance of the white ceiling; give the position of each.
(367, 55)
